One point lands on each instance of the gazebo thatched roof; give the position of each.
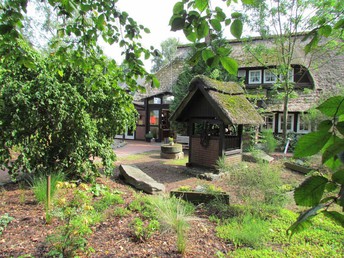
(227, 100)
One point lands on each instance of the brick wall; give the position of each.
(200, 155)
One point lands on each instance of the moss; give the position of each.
(238, 109)
(225, 87)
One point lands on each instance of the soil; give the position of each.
(26, 234)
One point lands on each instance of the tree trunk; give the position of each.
(285, 119)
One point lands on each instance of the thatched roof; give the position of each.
(227, 100)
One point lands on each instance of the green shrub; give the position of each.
(4, 220)
(142, 231)
(77, 217)
(248, 230)
(258, 183)
(39, 186)
(107, 200)
(142, 204)
(269, 141)
(121, 212)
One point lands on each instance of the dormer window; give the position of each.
(255, 77)
(269, 77)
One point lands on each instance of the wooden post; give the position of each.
(48, 191)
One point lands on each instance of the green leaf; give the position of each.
(248, 2)
(190, 35)
(178, 8)
(333, 149)
(325, 30)
(236, 15)
(155, 82)
(202, 29)
(325, 125)
(213, 62)
(177, 23)
(340, 127)
(220, 15)
(303, 220)
(311, 143)
(339, 24)
(333, 106)
(206, 54)
(335, 216)
(236, 28)
(310, 192)
(85, 7)
(195, 58)
(338, 177)
(201, 4)
(223, 51)
(228, 21)
(229, 64)
(215, 23)
(146, 30)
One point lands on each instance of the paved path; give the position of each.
(135, 147)
(132, 147)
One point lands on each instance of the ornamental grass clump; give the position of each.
(39, 186)
(174, 216)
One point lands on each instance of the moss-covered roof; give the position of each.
(220, 86)
(237, 108)
(226, 98)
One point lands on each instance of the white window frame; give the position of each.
(250, 76)
(291, 75)
(290, 119)
(300, 122)
(271, 75)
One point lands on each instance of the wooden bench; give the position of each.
(184, 140)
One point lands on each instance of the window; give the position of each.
(303, 126)
(167, 99)
(255, 76)
(269, 122)
(290, 123)
(241, 74)
(291, 75)
(269, 76)
(155, 100)
(154, 117)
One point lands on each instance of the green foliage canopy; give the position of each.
(65, 108)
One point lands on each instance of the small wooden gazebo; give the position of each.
(215, 112)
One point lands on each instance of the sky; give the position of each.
(153, 14)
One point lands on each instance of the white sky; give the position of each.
(153, 14)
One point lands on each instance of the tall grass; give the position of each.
(174, 215)
(39, 186)
(248, 230)
(258, 183)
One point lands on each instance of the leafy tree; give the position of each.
(63, 109)
(320, 191)
(168, 53)
(201, 23)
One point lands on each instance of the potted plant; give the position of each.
(149, 136)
